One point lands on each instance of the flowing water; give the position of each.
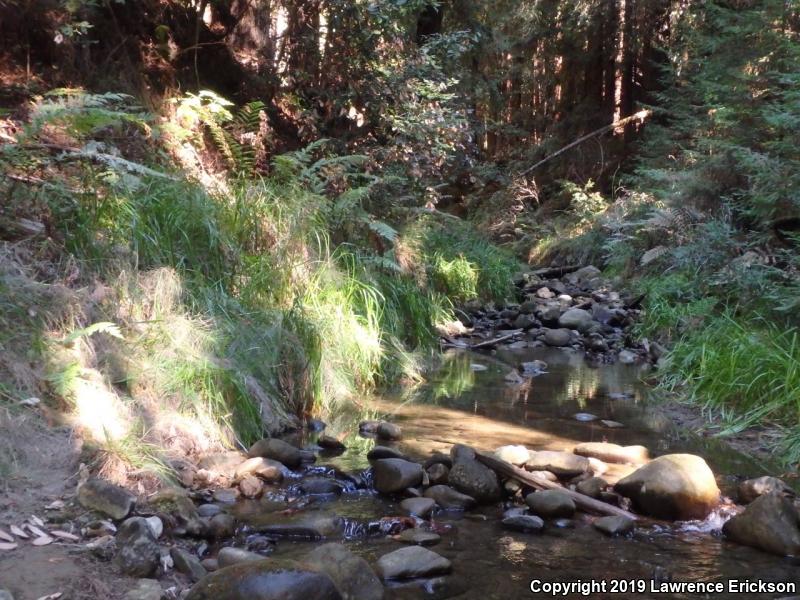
(469, 401)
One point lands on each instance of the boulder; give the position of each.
(316, 486)
(351, 574)
(592, 487)
(438, 474)
(223, 463)
(523, 523)
(221, 526)
(277, 450)
(411, 562)
(615, 526)
(549, 314)
(557, 337)
(393, 475)
(461, 452)
(475, 479)
(143, 589)
(419, 507)
(613, 453)
(526, 322)
(418, 537)
(675, 486)
(388, 431)
(449, 499)
(251, 487)
(233, 556)
(515, 455)
(270, 471)
(187, 564)
(753, 488)
(576, 318)
(225, 496)
(563, 464)
(105, 497)
(380, 452)
(550, 504)
(268, 579)
(769, 523)
(138, 552)
(328, 442)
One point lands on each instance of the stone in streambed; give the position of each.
(449, 499)
(278, 450)
(613, 453)
(438, 474)
(143, 589)
(515, 455)
(381, 452)
(234, 556)
(674, 486)
(418, 537)
(251, 487)
(388, 431)
(563, 464)
(523, 523)
(473, 478)
(420, 507)
(393, 475)
(221, 526)
(351, 574)
(266, 469)
(769, 523)
(753, 488)
(328, 442)
(411, 562)
(317, 486)
(306, 528)
(105, 497)
(557, 337)
(187, 564)
(592, 487)
(615, 526)
(137, 549)
(576, 318)
(550, 504)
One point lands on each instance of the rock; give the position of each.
(438, 474)
(450, 499)
(315, 425)
(221, 526)
(550, 504)
(675, 486)
(234, 556)
(226, 496)
(368, 427)
(270, 471)
(176, 502)
(393, 475)
(187, 564)
(105, 497)
(563, 464)
(576, 318)
(515, 455)
(389, 431)
(549, 314)
(328, 442)
(597, 467)
(523, 523)
(420, 507)
(411, 562)
(592, 487)
(137, 550)
(461, 452)
(753, 488)
(381, 452)
(533, 368)
(613, 453)
(475, 479)
(277, 450)
(583, 275)
(208, 510)
(595, 342)
(143, 589)
(615, 526)
(526, 322)
(268, 579)
(210, 564)
(156, 526)
(320, 486)
(628, 357)
(313, 527)
(769, 523)
(6, 595)
(251, 487)
(419, 537)
(545, 293)
(352, 575)
(557, 337)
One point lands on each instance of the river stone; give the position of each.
(674, 486)
(187, 564)
(270, 471)
(769, 523)
(523, 523)
(410, 562)
(210, 564)
(105, 497)
(549, 314)
(476, 480)
(628, 357)
(328, 442)
(419, 537)
(388, 431)
(221, 462)
(557, 337)
(563, 464)
(576, 318)
(277, 450)
(438, 474)
(234, 556)
(545, 293)
(613, 453)
(550, 504)
(526, 322)
(533, 368)
(6, 595)
(265, 580)
(515, 455)
(226, 496)
(221, 526)
(251, 487)
(320, 486)
(592, 487)
(448, 498)
(461, 452)
(393, 475)
(753, 488)
(351, 574)
(368, 427)
(381, 452)
(420, 507)
(137, 550)
(313, 527)
(143, 589)
(615, 525)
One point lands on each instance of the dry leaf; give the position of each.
(42, 541)
(19, 533)
(37, 521)
(55, 505)
(6, 537)
(5, 546)
(36, 531)
(65, 535)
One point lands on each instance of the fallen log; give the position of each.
(556, 271)
(581, 500)
(495, 341)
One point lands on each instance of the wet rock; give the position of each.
(420, 507)
(450, 499)
(615, 526)
(526, 322)
(137, 550)
(550, 504)
(460, 452)
(265, 580)
(307, 528)
(328, 442)
(475, 479)
(613, 453)
(438, 474)
(592, 487)
(393, 475)
(576, 318)
(226, 496)
(675, 486)
(515, 455)
(557, 337)
(269, 470)
(208, 510)
(523, 523)
(210, 564)
(418, 537)
(320, 486)
(411, 562)
(769, 523)
(234, 556)
(441, 459)
(563, 464)
(388, 431)
(549, 314)
(156, 526)
(188, 564)
(533, 368)
(105, 497)
(595, 343)
(628, 357)
(381, 452)
(352, 575)
(143, 589)
(221, 526)
(753, 488)
(251, 487)
(277, 450)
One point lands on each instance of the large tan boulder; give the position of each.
(613, 453)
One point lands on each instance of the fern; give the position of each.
(100, 327)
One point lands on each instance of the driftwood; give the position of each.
(581, 500)
(495, 341)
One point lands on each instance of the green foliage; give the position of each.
(457, 278)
